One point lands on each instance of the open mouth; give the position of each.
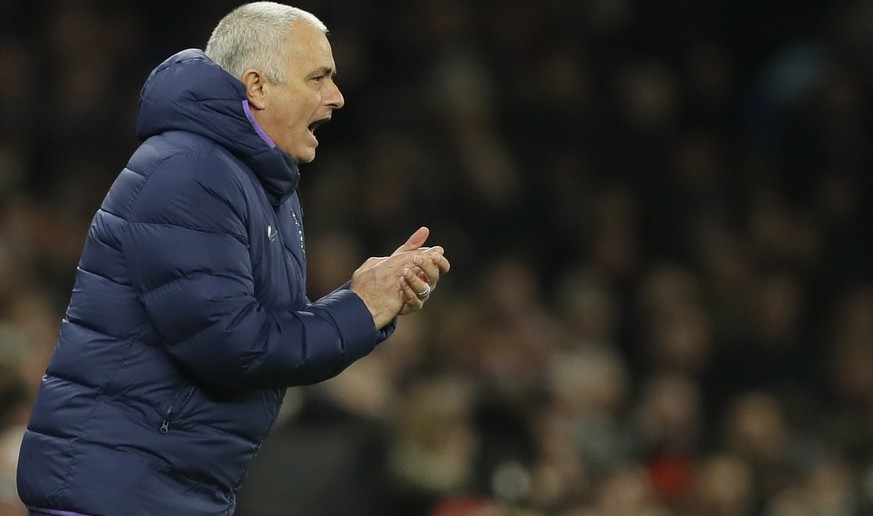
(314, 125)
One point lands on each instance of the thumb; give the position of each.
(415, 241)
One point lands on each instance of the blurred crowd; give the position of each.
(658, 215)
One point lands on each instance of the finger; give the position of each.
(432, 267)
(404, 258)
(415, 240)
(442, 263)
(426, 269)
(410, 295)
(416, 283)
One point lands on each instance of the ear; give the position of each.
(256, 88)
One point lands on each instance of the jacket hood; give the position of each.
(189, 92)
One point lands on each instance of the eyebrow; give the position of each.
(324, 70)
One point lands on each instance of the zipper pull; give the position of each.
(165, 426)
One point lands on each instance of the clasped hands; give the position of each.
(401, 283)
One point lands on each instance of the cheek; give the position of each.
(287, 110)
(297, 112)
(300, 116)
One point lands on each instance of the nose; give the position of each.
(334, 98)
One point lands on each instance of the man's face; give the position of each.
(307, 98)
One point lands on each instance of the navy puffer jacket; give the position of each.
(188, 318)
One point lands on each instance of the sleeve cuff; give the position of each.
(354, 322)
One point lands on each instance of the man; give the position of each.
(189, 316)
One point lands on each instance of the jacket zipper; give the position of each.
(299, 229)
(168, 417)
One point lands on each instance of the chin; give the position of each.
(303, 157)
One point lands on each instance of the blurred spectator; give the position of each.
(724, 486)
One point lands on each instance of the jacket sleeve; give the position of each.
(386, 331)
(187, 249)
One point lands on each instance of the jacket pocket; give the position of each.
(179, 401)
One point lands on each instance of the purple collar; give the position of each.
(55, 512)
(256, 125)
